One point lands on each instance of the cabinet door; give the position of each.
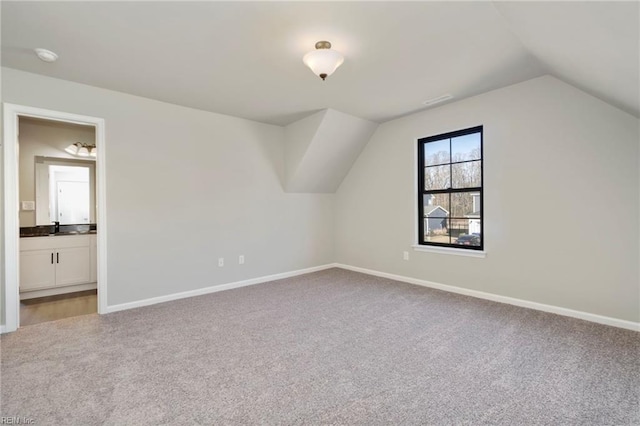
(72, 266)
(37, 270)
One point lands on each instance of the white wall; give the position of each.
(185, 187)
(1, 192)
(559, 165)
(45, 138)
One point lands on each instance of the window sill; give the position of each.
(447, 250)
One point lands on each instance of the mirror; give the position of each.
(65, 191)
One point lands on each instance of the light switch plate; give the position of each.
(27, 206)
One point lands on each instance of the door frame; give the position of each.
(11, 114)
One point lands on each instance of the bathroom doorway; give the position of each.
(54, 216)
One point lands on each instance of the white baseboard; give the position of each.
(3, 329)
(615, 322)
(214, 289)
(600, 319)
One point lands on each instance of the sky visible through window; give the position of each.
(461, 148)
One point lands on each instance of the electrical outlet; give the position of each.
(241, 259)
(221, 261)
(405, 255)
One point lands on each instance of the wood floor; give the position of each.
(51, 308)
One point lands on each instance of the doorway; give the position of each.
(58, 268)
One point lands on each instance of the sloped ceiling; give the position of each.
(594, 46)
(320, 150)
(245, 58)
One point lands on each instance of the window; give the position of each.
(450, 201)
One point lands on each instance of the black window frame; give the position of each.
(422, 192)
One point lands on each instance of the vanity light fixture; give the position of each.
(82, 149)
(323, 61)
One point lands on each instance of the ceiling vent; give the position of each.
(437, 100)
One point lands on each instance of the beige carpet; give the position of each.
(333, 347)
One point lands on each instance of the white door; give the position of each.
(73, 266)
(73, 202)
(37, 270)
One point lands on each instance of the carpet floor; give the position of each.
(333, 347)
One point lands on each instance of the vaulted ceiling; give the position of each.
(245, 58)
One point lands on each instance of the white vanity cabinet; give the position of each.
(55, 264)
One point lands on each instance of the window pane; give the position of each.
(436, 230)
(437, 177)
(467, 239)
(437, 153)
(432, 201)
(465, 204)
(458, 227)
(467, 147)
(467, 175)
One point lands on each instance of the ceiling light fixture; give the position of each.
(323, 61)
(46, 55)
(82, 149)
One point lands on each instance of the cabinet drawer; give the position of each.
(52, 243)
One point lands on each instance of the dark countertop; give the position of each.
(59, 234)
(50, 230)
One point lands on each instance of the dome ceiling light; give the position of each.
(323, 61)
(46, 55)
